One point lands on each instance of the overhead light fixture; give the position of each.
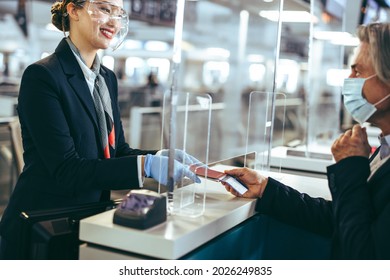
(337, 38)
(132, 44)
(352, 42)
(218, 52)
(330, 35)
(255, 58)
(156, 46)
(289, 16)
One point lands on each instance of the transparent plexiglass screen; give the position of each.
(250, 48)
(323, 94)
(228, 51)
(187, 122)
(265, 116)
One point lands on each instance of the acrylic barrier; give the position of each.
(266, 121)
(186, 124)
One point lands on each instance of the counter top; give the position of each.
(180, 235)
(296, 159)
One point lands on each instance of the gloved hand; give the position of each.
(156, 167)
(181, 157)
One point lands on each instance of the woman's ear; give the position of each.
(72, 11)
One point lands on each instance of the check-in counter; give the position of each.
(299, 160)
(226, 230)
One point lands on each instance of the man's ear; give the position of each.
(72, 11)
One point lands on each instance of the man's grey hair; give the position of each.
(377, 36)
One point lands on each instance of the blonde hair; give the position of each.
(59, 15)
(377, 37)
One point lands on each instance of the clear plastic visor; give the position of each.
(115, 17)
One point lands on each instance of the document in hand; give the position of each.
(218, 176)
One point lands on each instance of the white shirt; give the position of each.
(377, 162)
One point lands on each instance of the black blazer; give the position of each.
(358, 217)
(63, 155)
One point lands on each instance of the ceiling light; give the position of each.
(289, 16)
(218, 52)
(156, 46)
(132, 44)
(255, 58)
(330, 35)
(337, 38)
(353, 41)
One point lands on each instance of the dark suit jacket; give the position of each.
(63, 155)
(358, 217)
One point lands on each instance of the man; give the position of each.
(358, 217)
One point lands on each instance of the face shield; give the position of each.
(114, 17)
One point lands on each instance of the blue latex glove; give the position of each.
(180, 156)
(156, 167)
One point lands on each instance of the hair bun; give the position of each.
(56, 9)
(58, 16)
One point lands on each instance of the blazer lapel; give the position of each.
(76, 79)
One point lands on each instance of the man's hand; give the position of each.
(251, 179)
(351, 143)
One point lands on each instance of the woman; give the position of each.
(74, 145)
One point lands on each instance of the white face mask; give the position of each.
(360, 109)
